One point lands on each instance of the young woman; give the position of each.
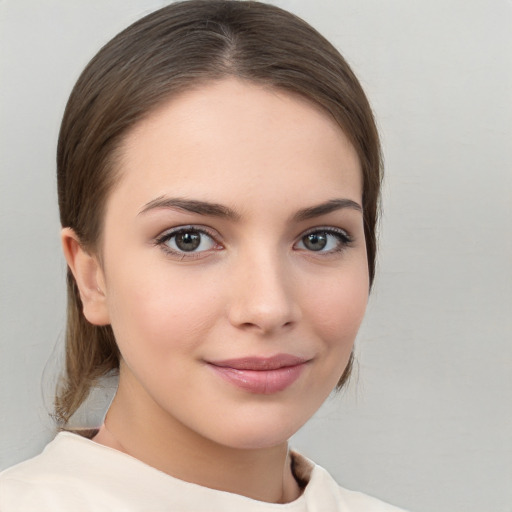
(219, 176)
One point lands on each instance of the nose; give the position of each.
(263, 297)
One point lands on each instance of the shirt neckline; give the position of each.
(303, 470)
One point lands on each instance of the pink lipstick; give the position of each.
(261, 375)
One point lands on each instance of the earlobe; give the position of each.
(88, 276)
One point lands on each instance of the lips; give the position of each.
(261, 375)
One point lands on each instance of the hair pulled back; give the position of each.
(179, 46)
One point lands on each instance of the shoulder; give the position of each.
(57, 458)
(359, 502)
(60, 478)
(322, 488)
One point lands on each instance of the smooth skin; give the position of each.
(259, 273)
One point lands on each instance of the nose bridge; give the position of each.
(263, 295)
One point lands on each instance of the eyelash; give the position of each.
(344, 240)
(161, 241)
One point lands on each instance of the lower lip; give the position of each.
(263, 382)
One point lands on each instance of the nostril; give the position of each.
(265, 325)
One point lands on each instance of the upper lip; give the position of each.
(260, 363)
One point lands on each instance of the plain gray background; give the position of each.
(427, 422)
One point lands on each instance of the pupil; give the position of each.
(315, 241)
(188, 241)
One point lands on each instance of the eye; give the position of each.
(324, 240)
(186, 240)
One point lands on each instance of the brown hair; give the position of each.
(178, 46)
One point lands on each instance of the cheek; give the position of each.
(157, 312)
(338, 308)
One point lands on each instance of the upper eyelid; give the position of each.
(215, 235)
(168, 233)
(326, 229)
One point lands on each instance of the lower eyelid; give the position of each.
(343, 238)
(162, 240)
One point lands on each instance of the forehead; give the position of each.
(237, 140)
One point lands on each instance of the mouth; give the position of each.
(261, 375)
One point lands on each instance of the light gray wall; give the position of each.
(428, 424)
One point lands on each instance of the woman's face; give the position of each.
(234, 262)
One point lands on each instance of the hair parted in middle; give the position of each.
(178, 47)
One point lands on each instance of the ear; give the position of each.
(88, 276)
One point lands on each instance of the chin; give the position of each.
(256, 440)
(258, 430)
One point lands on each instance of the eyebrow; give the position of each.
(219, 210)
(192, 206)
(325, 208)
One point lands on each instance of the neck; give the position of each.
(169, 446)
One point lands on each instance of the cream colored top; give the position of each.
(75, 474)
